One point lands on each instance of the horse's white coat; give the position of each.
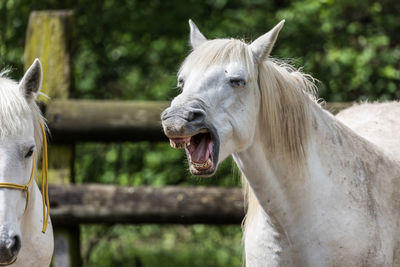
(323, 190)
(20, 120)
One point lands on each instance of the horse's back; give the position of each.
(377, 122)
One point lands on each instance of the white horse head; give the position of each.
(21, 239)
(219, 107)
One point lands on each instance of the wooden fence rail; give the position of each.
(110, 204)
(113, 121)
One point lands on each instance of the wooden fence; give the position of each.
(94, 203)
(49, 37)
(113, 121)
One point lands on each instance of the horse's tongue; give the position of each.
(201, 152)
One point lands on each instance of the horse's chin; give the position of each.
(8, 263)
(203, 173)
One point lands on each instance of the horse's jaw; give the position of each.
(37, 247)
(201, 150)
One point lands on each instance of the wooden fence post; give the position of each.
(48, 38)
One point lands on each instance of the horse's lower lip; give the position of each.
(201, 169)
(9, 263)
(202, 166)
(205, 173)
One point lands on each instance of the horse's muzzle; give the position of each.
(182, 121)
(186, 126)
(10, 244)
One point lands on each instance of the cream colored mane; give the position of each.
(15, 110)
(286, 93)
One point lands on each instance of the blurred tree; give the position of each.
(132, 49)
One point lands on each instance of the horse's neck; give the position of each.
(37, 247)
(288, 193)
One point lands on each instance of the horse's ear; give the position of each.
(196, 37)
(32, 80)
(263, 45)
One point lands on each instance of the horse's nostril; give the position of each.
(197, 115)
(9, 248)
(165, 114)
(14, 245)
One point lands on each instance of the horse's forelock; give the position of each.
(219, 51)
(15, 110)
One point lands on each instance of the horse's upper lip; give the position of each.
(204, 130)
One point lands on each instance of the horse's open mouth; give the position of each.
(199, 149)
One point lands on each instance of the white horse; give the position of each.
(23, 241)
(323, 190)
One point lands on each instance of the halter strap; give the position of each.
(45, 183)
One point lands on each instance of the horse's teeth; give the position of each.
(204, 165)
(181, 145)
(178, 145)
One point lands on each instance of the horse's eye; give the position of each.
(181, 83)
(30, 152)
(237, 82)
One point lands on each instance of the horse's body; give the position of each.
(22, 242)
(322, 190)
(344, 209)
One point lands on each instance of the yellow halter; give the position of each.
(45, 183)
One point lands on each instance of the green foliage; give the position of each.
(350, 46)
(132, 49)
(169, 246)
(143, 163)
